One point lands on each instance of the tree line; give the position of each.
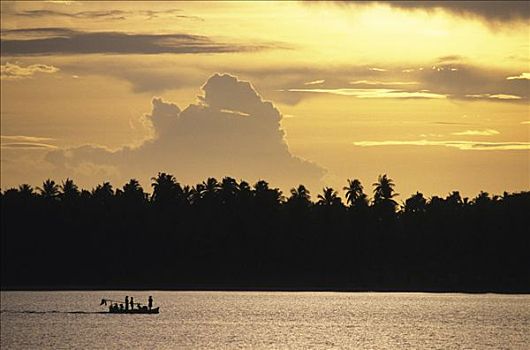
(229, 234)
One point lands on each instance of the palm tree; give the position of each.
(229, 190)
(301, 193)
(354, 193)
(133, 191)
(69, 190)
(103, 192)
(210, 188)
(384, 205)
(49, 190)
(266, 196)
(329, 197)
(166, 189)
(384, 189)
(26, 191)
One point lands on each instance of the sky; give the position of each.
(433, 93)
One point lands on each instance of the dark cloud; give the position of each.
(491, 11)
(111, 14)
(449, 76)
(107, 15)
(231, 131)
(57, 41)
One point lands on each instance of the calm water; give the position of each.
(267, 320)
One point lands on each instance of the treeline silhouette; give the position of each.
(231, 235)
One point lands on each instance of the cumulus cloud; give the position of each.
(58, 41)
(462, 145)
(10, 71)
(230, 131)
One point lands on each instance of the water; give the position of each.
(267, 320)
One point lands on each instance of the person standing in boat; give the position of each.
(132, 303)
(126, 302)
(150, 302)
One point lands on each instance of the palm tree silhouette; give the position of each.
(69, 190)
(49, 190)
(354, 193)
(229, 190)
(384, 205)
(103, 192)
(266, 196)
(133, 191)
(300, 194)
(329, 197)
(384, 189)
(26, 191)
(166, 189)
(210, 188)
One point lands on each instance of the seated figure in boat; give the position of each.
(113, 307)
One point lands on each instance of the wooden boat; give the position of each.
(140, 309)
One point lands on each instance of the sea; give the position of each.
(266, 320)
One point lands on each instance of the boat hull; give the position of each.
(136, 311)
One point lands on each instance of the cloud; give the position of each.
(8, 142)
(315, 82)
(526, 122)
(522, 76)
(230, 131)
(107, 15)
(111, 14)
(496, 96)
(490, 11)
(498, 11)
(27, 145)
(383, 83)
(487, 132)
(62, 41)
(374, 69)
(23, 138)
(372, 93)
(462, 145)
(10, 71)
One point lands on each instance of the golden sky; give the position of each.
(434, 94)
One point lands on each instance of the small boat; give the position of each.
(117, 307)
(141, 310)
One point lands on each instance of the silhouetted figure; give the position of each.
(132, 303)
(121, 307)
(150, 302)
(127, 302)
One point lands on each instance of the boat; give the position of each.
(116, 307)
(142, 310)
